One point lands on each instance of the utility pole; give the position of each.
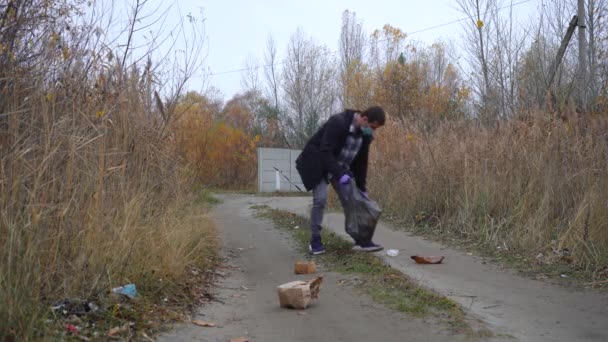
(582, 57)
(561, 51)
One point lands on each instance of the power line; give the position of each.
(382, 40)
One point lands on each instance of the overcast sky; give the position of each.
(237, 29)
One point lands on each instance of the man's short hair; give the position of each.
(375, 114)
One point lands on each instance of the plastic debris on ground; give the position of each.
(128, 290)
(392, 252)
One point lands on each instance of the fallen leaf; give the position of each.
(240, 339)
(204, 323)
(427, 260)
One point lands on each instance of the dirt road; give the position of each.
(259, 259)
(528, 310)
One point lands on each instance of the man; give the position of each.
(338, 153)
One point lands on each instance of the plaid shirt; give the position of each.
(352, 146)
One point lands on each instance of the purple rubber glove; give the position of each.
(364, 193)
(345, 179)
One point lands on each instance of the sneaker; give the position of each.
(368, 247)
(316, 247)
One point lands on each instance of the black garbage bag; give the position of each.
(361, 214)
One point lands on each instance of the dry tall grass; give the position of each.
(89, 181)
(536, 184)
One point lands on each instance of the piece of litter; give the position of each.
(204, 323)
(72, 328)
(392, 252)
(128, 290)
(92, 306)
(299, 294)
(563, 275)
(296, 227)
(427, 260)
(302, 313)
(305, 267)
(469, 253)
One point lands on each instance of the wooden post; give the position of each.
(582, 57)
(561, 51)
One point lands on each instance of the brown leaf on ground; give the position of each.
(427, 260)
(204, 323)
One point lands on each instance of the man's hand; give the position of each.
(345, 179)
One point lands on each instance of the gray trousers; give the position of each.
(319, 200)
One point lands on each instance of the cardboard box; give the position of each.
(299, 294)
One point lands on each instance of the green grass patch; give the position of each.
(381, 282)
(205, 196)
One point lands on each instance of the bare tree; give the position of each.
(507, 46)
(478, 30)
(250, 79)
(272, 75)
(597, 28)
(352, 51)
(555, 16)
(309, 86)
(271, 71)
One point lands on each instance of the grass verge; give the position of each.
(382, 283)
(552, 264)
(527, 192)
(171, 261)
